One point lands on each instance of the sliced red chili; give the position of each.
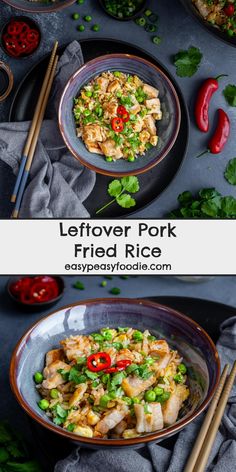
(41, 292)
(120, 365)
(20, 285)
(98, 361)
(112, 370)
(123, 363)
(26, 298)
(117, 124)
(123, 113)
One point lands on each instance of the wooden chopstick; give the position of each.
(189, 467)
(34, 141)
(34, 123)
(212, 431)
(199, 456)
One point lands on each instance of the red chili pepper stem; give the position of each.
(203, 153)
(220, 76)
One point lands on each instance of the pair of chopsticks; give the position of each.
(198, 458)
(33, 134)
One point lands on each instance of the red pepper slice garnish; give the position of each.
(98, 361)
(117, 124)
(123, 363)
(123, 113)
(26, 298)
(120, 365)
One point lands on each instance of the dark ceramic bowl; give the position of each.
(217, 33)
(32, 7)
(137, 12)
(36, 306)
(168, 127)
(32, 23)
(6, 81)
(181, 332)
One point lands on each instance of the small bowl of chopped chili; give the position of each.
(20, 37)
(36, 291)
(122, 10)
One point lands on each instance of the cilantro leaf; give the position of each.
(230, 94)
(187, 62)
(130, 184)
(229, 206)
(230, 171)
(126, 201)
(76, 376)
(115, 188)
(61, 412)
(208, 204)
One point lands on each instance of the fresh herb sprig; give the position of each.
(14, 455)
(121, 189)
(230, 171)
(230, 95)
(187, 61)
(208, 204)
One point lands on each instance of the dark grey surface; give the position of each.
(14, 321)
(178, 30)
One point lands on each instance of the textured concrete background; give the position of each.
(177, 30)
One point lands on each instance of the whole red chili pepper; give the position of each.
(208, 88)
(221, 134)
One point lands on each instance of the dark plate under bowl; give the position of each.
(182, 333)
(137, 12)
(36, 306)
(35, 7)
(212, 29)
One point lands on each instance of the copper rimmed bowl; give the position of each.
(39, 7)
(168, 127)
(199, 352)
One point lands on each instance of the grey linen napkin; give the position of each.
(156, 458)
(58, 183)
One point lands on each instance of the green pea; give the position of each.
(163, 398)
(87, 18)
(71, 427)
(136, 400)
(230, 32)
(131, 159)
(150, 396)
(109, 159)
(178, 378)
(54, 393)
(80, 2)
(87, 112)
(115, 291)
(75, 16)
(148, 12)
(158, 391)
(88, 93)
(96, 28)
(43, 404)
(137, 335)
(104, 401)
(103, 283)
(97, 337)
(149, 360)
(38, 377)
(81, 28)
(117, 73)
(182, 368)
